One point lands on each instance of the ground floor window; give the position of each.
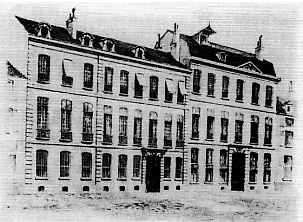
(106, 165)
(122, 167)
(287, 167)
(194, 165)
(86, 165)
(223, 166)
(267, 167)
(136, 166)
(179, 163)
(41, 163)
(209, 166)
(64, 163)
(253, 171)
(167, 163)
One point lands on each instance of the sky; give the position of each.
(238, 25)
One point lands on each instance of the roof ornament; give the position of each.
(259, 48)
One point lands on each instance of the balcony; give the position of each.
(137, 141)
(168, 143)
(43, 134)
(66, 136)
(107, 139)
(67, 80)
(43, 77)
(152, 142)
(108, 87)
(122, 140)
(88, 84)
(195, 135)
(87, 137)
(179, 143)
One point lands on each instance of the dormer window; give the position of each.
(108, 45)
(87, 40)
(139, 52)
(222, 56)
(44, 30)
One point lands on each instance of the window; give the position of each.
(64, 163)
(289, 122)
(167, 130)
(43, 68)
(122, 167)
(179, 163)
(41, 163)
(138, 128)
(223, 166)
(86, 165)
(253, 167)
(268, 131)
(210, 124)
(88, 76)
(169, 90)
(107, 134)
(139, 53)
(180, 133)
(194, 165)
(106, 165)
(239, 90)
(167, 163)
(288, 138)
(67, 67)
(225, 84)
(195, 122)
(124, 82)
(254, 129)
(108, 45)
(42, 118)
(255, 93)
(196, 80)
(86, 41)
(267, 167)
(153, 120)
(123, 126)
(136, 166)
(87, 133)
(268, 96)
(44, 31)
(66, 120)
(239, 127)
(139, 83)
(209, 166)
(108, 79)
(153, 92)
(224, 126)
(287, 168)
(181, 92)
(211, 84)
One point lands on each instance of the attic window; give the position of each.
(87, 40)
(222, 56)
(44, 30)
(139, 52)
(108, 45)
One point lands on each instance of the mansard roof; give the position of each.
(121, 48)
(234, 57)
(12, 71)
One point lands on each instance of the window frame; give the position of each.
(43, 131)
(240, 90)
(124, 82)
(65, 164)
(254, 129)
(43, 68)
(106, 166)
(209, 167)
(253, 167)
(255, 93)
(167, 168)
(123, 119)
(86, 166)
(223, 166)
(267, 168)
(122, 167)
(88, 76)
(225, 87)
(108, 79)
(41, 164)
(87, 129)
(197, 81)
(194, 165)
(66, 120)
(153, 87)
(107, 125)
(179, 168)
(211, 82)
(137, 140)
(268, 96)
(153, 124)
(136, 166)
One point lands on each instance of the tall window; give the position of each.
(194, 165)
(106, 165)
(239, 127)
(139, 83)
(88, 75)
(87, 133)
(107, 134)
(153, 90)
(43, 68)
(136, 166)
(225, 85)
(267, 167)
(179, 163)
(167, 163)
(42, 118)
(123, 126)
(124, 82)
(86, 165)
(167, 130)
(209, 166)
(67, 68)
(108, 79)
(153, 121)
(180, 136)
(211, 84)
(223, 166)
(196, 80)
(288, 138)
(268, 131)
(122, 167)
(268, 96)
(169, 90)
(253, 167)
(64, 163)
(254, 129)
(195, 122)
(224, 126)
(138, 127)
(210, 124)
(66, 119)
(287, 168)
(255, 93)
(41, 163)
(181, 93)
(239, 90)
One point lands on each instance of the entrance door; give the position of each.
(238, 171)
(153, 174)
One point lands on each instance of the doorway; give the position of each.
(153, 171)
(238, 171)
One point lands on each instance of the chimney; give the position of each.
(71, 24)
(175, 44)
(258, 49)
(159, 42)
